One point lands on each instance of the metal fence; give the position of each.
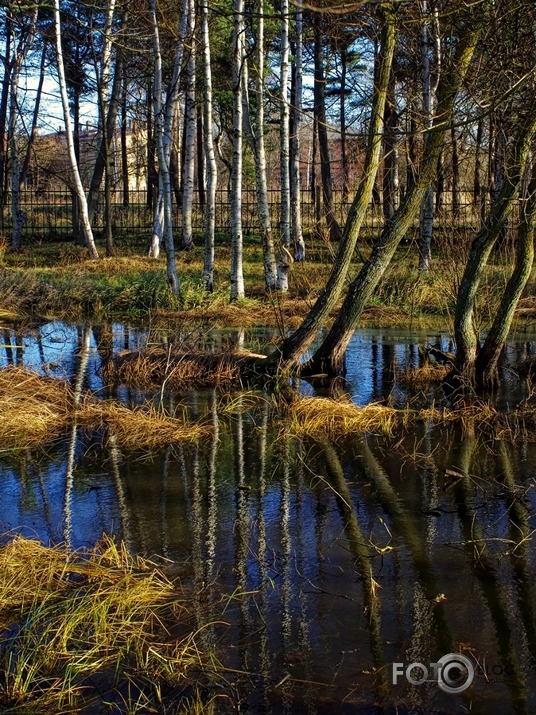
(49, 215)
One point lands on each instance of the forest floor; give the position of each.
(56, 280)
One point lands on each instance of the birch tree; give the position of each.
(165, 113)
(256, 141)
(69, 137)
(190, 121)
(210, 153)
(297, 108)
(162, 147)
(285, 257)
(237, 275)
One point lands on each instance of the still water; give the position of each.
(315, 565)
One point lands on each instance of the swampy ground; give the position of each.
(174, 548)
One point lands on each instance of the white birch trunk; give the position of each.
(237, 275)
(426, 225)
(256, 141)
(163, 158)
(168, 113)
(210, 155)
(78, 187)
(295, 183)
(285, 257)
(190, 120)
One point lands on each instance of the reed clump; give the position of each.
(177, 370)
(322, 415)
(90, 627)
(421, 377)
(35, 410)
(314, 416)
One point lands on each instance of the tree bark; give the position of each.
(212, 167)
(78, 187)
(426, 224)
(335, 233)
(295, 144)
(237, 275)
(487, 360)
(390, 161)
(35, 118)
(190, 120)
(285, 258)
(27, 28)
(255, 138)
(4, 100)
(163, 157)
(464, 330)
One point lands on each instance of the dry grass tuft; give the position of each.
(83, 628)
(321, 415)
(315, 416)
(421, 377)
(36, 409)
(140, 427)
(157, 366)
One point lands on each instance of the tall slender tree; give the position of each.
(210, 154)
(285, 257)
(237, 272)
(69, 137)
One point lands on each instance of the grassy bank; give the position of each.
(93, 627)
(56, 280)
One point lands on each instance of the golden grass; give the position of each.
(321, 416)
(420, 377)
(177, 370)
(81, 628)
(36, 409)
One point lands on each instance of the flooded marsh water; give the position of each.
(316, 565)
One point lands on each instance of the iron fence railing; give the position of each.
(49, 215)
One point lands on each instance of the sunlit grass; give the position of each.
(37, 409)
(96, 625)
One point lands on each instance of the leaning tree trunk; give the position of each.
(210, 154)
(329, 358)
(69, 137)
(488, 357)
(464, 330)
(285, 257)
(296, 344)
(237, 274)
